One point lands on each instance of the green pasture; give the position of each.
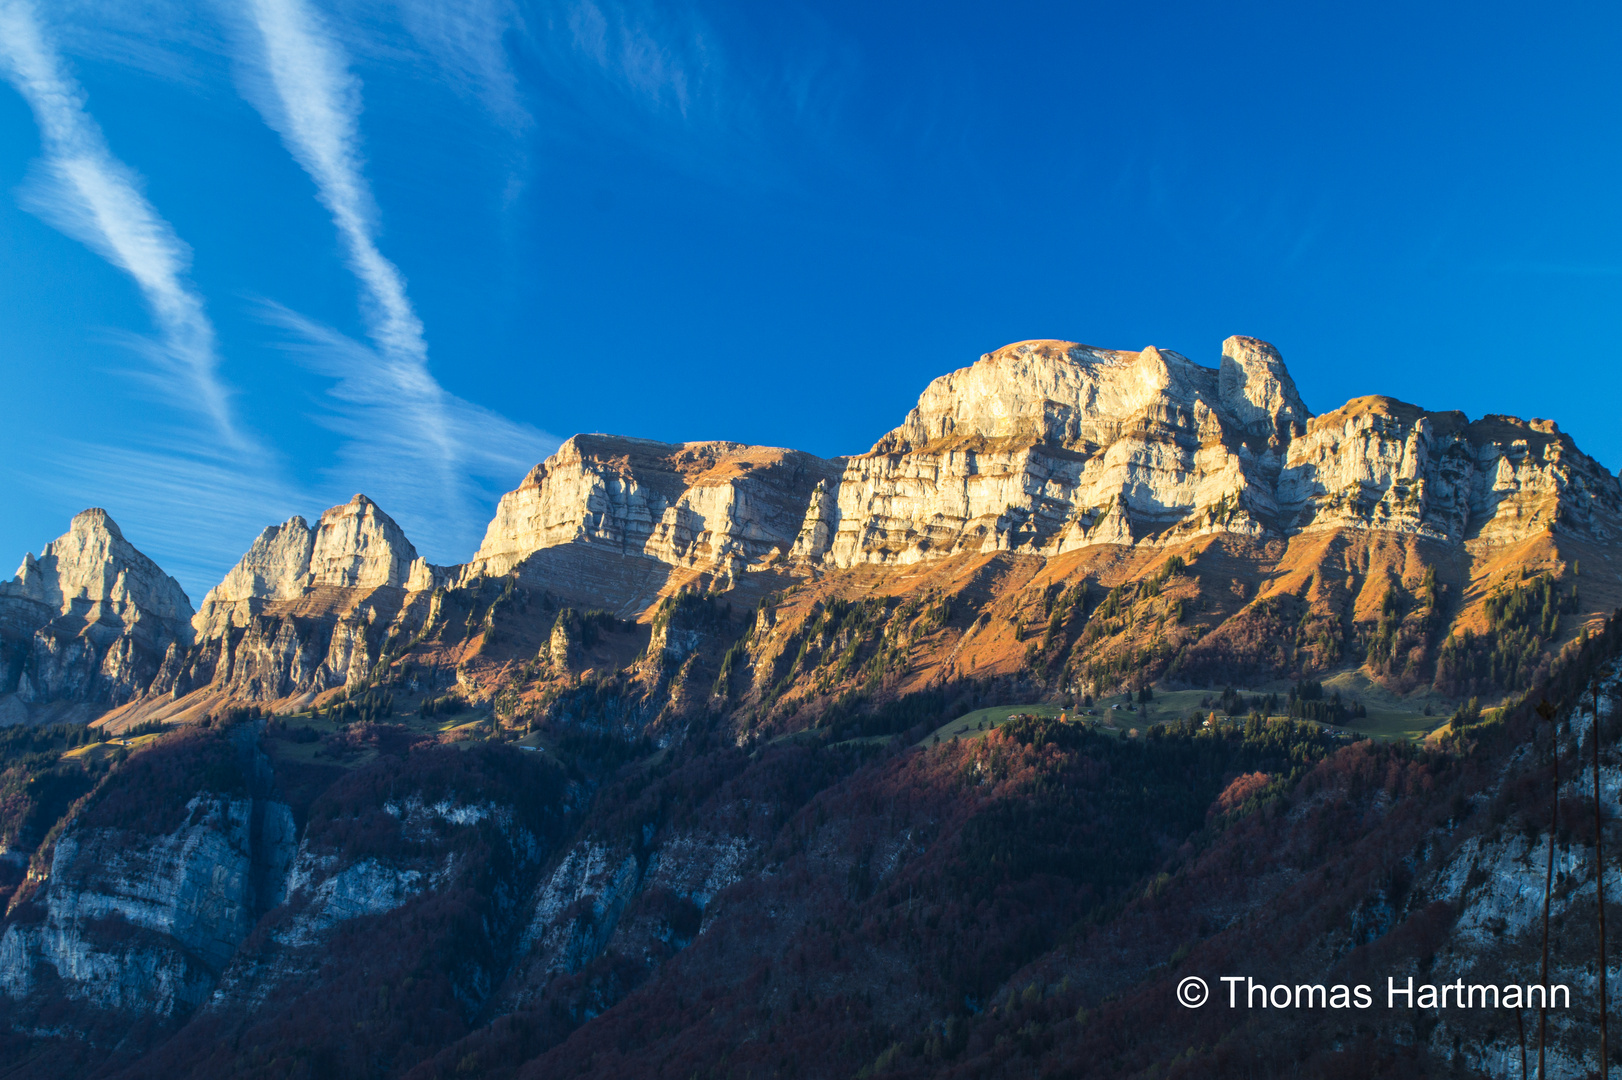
(1390, 716)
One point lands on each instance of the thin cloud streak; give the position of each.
(387, 463)
(195, 514)
(87, 193)
(315, 108)
(419, 449)
(466, 40)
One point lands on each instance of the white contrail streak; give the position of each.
(315, 106)
(96, 198)
(406, 436)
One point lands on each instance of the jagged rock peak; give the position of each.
(1257, 388)
(89, 619)
(92, 565)
(1066, 393)
(355, 545)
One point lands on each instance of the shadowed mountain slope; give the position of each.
(950, 758)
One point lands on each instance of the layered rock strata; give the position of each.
(354, 546)
(1049, 446)
(1380, 463)
(713, 506)
(1042, 448)
(145, 924)
(306, 609)
(89, 619)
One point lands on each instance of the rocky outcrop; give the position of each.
(578, 905)
(602, 897)
(146, 924)
(354, 546)
(306, 609)
(712, 506)
(1041, 448)
(1048, 446)
(1380, 463)
(329, 637)
(90, 619)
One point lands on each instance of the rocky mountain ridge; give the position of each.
(89, 619)
(727, 757)
(1046, 449)
(355, 546)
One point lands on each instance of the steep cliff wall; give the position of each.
(1045, 449)
(354, 546)
(89, 619)
(141, 923)
(1376, 463)
(715, 506)
(1048, 446)
(158, 876)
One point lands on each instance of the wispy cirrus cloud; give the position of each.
(747, 105)
(313, 101)
(660, 62)
(383, 451)
(192, 511)
(190, 491)
(82, 189)
(408, 439)
(466, 41)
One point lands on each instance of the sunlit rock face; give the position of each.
(714, 506)
(1380, 463)
(355, 545)
(1041, 448)
(276, 567)
(358, 546)
(89, 619)
(1046, 446)
(306, 609)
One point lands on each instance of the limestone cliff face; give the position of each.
(1041, 448)
(89, 619)
(354, 546)
(308, 608)
(600, 896)
(714, 506)
(146, 924)
(1380, 463)
(1047, 446)
(328, 637)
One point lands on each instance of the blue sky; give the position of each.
(261, 254)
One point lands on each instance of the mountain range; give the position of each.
(722, 760)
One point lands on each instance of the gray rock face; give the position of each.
(1048, 446)
(354, 546)
(596, 896)
(1376, 463)
(90, 619)
(711, 506)
(306, 609)
(326, 638)
(146, 924)
(1257, 390)
(358, 546)
(1041, 447)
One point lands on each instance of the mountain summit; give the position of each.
(89, 619)
(950, 758)
(1078, 463)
